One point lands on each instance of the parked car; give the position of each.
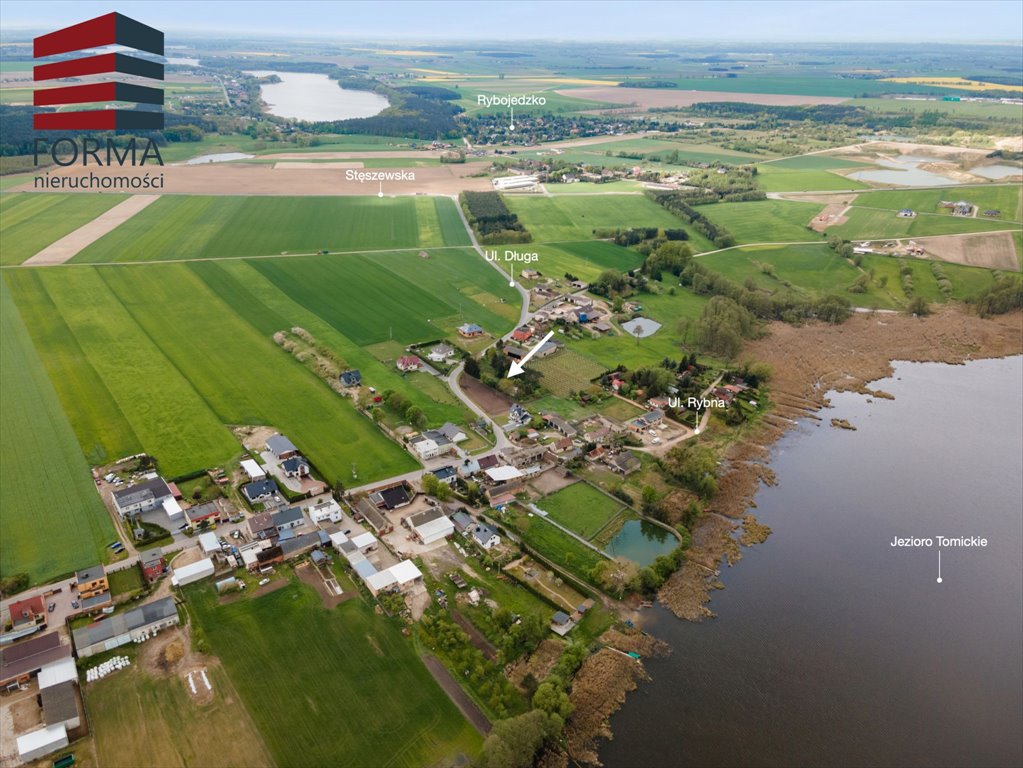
(51, 607)
(74, 604)
(263, 582)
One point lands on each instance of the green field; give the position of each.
(765, 221)
(966, 281)
(958, 108)
(659, 153)
(824, 84)
(775, 177)
(581, 508)
(566, 371)
(31, 221)
(1005, 198)
(339, 687)
(557, 546)
(811, 270)
(869, 223)
(585, 260)
(53, 521)
(573, 218)
(197, 227)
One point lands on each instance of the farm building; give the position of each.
(396, 578)
(123, 628)
(556, 422)
(296, 466)
(187, 574)
(35, 744)
(60, 705)
(505, 183)
(281, 447)
(364, 542)
(470, 331)
(58, 672)
(252, 469)
(486, 536)
(227, 585)
(641, 327)
(208, 543)
(502, 474)
(20, 660)
(260, 490)
(625, 463)
(152, 564)
(172, 508)
(290, 517)
(907, 213)
(992, 212)
(408, 363)
(430, 525)
(142, 497)
(370, 513)
(328, 509)
(561, 623)
(350, 378)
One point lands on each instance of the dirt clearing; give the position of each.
(832, 215)
(665, 97)
(491, 401)
(994, 251)
(69, 245)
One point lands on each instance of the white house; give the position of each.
(486, 536)
(424, 447)
(440, 353)
(142, 497)
(252, 469)
(453, 433)
(502, 473)
(364, 541)
(328, 509)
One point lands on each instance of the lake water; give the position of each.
(307, 96)
(1000, 171)
(219, 157)
(641, 542)
(833, 648)
(905, 172)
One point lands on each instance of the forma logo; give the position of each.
(110, 29)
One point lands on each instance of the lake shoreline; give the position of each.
(808, 362)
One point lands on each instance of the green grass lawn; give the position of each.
(1004, 197)
(581, 508)
(869, 223)
(557, 546)
(573, 218)
(585, 260)
(566, 371)
(53, 521)
(196, 227)
(125, 581)
(31, 221)
(765, 221)
(340, 687)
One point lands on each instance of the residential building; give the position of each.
(408, 363)
(523, 334)
(127, 627)
(462, 521)
(281, 447)
(296, 467)
(351, 378)
(367, 511)
(326, 510)
(446, 475)
(440, 353)
(208, 543)
(395, 497)
(91, 581)
(519, 415)
(430, 525)
(486, 536)
(452, 433)
(625, 462)
(152, 564)
(289, 517)
(424, 447)
(199, 512)
(27, 612)
(556, 422)
(262, 525)
(141, 497)
(470, 331)
(260, 490)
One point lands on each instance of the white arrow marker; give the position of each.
(511, 282)
(516, 368)
(511, 126)
(939, 566)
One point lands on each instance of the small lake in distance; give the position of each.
(905, 172)
(308, 96)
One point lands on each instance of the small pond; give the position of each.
(641, 542)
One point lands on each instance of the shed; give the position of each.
(60, 705)
(208, 543)
(503, 474)
(430, 525)
(34, 745)
(187, 574)
(364, 541)
(253, 470)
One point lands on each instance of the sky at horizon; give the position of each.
(781, 21)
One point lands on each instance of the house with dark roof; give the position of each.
(260, 490)
(446, 474)
(625, 462)
(519, 415)
(142, 497)
(485, 536)
(262, 525)
(289, 517)
(452, 433)
(462, 521)
(296, 466)
(152, 564)
(281, 447)
(351, 378)
(392, 498)
(60, 705)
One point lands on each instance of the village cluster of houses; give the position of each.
(568, 309)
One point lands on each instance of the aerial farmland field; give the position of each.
(30, 222)
(765, 221)
(197, 227)
(586, 260)
(339, 687)
(1003, 197)
(777, 177)
(867, 224)
(53, 520)
(567, 371)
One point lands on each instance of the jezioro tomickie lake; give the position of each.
(832, 647)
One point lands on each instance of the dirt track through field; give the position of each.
(65, 249)
(665, 97)
(466, 705)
